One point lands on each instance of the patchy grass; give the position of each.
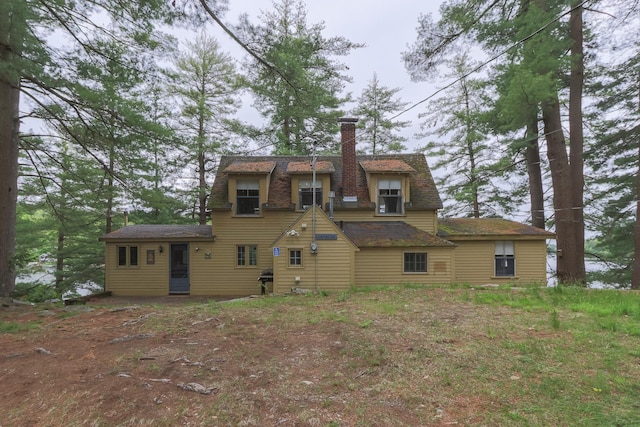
(17, 327)
(401, 356)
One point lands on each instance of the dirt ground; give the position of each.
(185, 361)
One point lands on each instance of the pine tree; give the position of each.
(616, 166)
(206, 85)
(517, 26)
(375, 109)
(30, 65)
(460, 146)
(299, 92)
(65, 188)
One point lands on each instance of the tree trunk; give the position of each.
(576, 138)
(562, 200)
(473, 175)
(635, 274)
(60, 258)
(202, 189)
(10, 47)
(110, 192)
(536, 190)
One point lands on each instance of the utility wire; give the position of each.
(490, 60)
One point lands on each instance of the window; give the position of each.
(295, 257)
(127, 256)
(505, 259)
(305, 193)
(389, 196)
(247, 255)
(415, 262)
(248, 198)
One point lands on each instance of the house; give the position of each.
(367, 220)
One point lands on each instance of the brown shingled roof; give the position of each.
(450, 228)
(390, 234)
(388, 165)
(160, 232)
(250, 167)
(424, 194)
(307, 167)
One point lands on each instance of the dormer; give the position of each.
(301, 174)
(389, 185)
(249, 186)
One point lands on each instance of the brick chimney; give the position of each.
(349, 165)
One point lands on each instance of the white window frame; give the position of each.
(505, 255)
(392, 188)
(306, 185)
(247, 185)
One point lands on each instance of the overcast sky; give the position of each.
(386, 28)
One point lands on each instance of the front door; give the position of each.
(179, 274)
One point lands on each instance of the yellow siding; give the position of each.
(384, 266)
(331, 269)
(201, 268)
(531, 261)
(337, 265)
(144, 280)
(475, 262)
(222, 276)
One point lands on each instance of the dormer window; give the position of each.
(248, 198)
(305, 193)
(389, 196)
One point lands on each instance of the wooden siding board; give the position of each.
(144, 280)
(384, 266)
(330, 269)
(474, 261)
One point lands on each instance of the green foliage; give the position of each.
(376, 106)
(298, 93)
(34, 235)
(68, 196)
(459, 144)
(205, 85)
(615, 163)
(36, 292)
(604, 303)
(16, 328)
(82, 84)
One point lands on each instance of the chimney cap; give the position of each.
(347, 120)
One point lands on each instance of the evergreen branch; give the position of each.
(492, 59)
(244, 46)
(63, 125)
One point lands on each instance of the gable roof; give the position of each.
(324, 166)
(390, 165)
(424, 194)
(371, 234)
(160, 232)
(250, 167)
(465, 228)
(321, 216)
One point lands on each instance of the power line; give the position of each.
(490, 60)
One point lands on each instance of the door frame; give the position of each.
(179, 285)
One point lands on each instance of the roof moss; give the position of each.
(466, 227)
